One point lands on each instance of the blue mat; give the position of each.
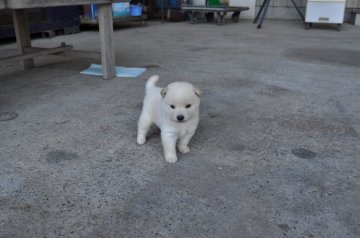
(96, 69)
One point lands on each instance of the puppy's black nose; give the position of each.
(180, 117)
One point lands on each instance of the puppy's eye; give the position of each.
(172, 106)
(188, 106)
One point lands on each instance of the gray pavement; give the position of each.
(276, 153)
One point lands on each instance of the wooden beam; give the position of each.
(18, 4)
(34, 52)
(22, 35)
(106, 40)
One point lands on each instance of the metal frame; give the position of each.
(263, 10)
(220, 11)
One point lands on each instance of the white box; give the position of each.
(325, 11)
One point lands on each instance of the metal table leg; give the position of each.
(264, 14)
(298, 10)
(260, 11)
(264, 7)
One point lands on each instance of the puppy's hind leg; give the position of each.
(143, 127)
(184, 141)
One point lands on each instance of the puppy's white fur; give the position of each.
(175, 110)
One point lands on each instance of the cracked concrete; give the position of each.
(276, 153)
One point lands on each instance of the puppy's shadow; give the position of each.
(153, 133)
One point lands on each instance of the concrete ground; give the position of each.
(276, 153)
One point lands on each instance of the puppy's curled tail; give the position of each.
(152, 81)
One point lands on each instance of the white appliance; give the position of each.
(325, 11)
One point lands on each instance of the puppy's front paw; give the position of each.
(141, 140)
(184, 149)
(171, 158)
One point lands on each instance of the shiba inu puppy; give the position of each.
(175, 110)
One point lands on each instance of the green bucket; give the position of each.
(213, 2)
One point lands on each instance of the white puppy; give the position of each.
(175, 110)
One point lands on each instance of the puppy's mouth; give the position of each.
(181, 121)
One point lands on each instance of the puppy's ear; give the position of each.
(163, 91)
(197, 91)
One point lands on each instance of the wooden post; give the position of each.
(106, 40)
(22, 35)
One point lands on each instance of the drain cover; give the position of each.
(8, 116)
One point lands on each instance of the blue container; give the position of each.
(175, 4)
(168, 4)
(120, 9)
(43, 19)
(135, 10)
(93, 11)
